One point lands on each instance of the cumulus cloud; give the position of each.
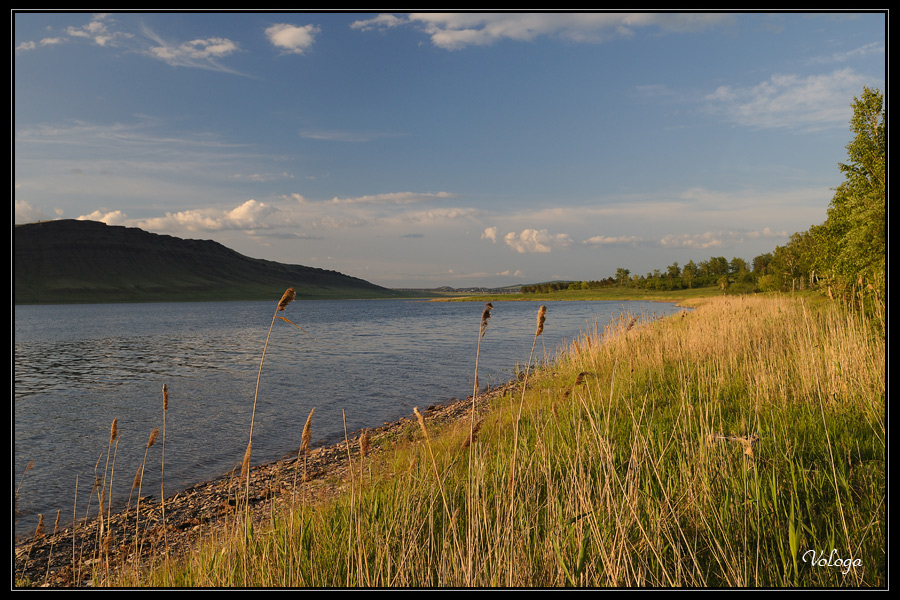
(248, 216)
(536, 240)
(26, 213)
(489, 233)
(790, 101)
(114, 217)
(292, 39)
(453, 31)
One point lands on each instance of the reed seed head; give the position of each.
(245, 464)
(542, 316)
(138, 477)
(153, 435)
(114, 430)
(421, 420)
(286, 299)
(307, 434)
(485, 315)
(364, 444)
(39, 531)
(165, 397)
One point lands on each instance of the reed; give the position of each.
(286, 299)
(138, 484)
(162, 472)
(715, 449)
(305, 438)
(470, 443)
(541, 318)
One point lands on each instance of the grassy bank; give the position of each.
(740, 444)
(613, 293)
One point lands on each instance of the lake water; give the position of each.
(78, 367)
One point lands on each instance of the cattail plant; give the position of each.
(305, 437)
(52, 542)
(162, 470)
(364, 444)
(286, 299)
(485, 316)
(138, 482)
(470, 500)
(28, 467)
(103, 493)
(541, 318)
(39, 530)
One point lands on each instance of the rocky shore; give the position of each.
(68, 557)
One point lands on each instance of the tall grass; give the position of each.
(741, 444)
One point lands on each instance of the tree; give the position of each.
(761, 264)
(622, 276)
(852, 242)
(688, 273)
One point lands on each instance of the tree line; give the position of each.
(844, 257)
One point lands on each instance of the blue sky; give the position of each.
(462, 149)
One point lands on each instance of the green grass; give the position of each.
(614, 293)
(627, 468)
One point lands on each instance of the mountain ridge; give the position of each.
(75, 261)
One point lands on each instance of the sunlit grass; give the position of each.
(734, 445)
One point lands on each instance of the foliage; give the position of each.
(853, 239)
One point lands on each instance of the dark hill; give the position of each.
(70, 261)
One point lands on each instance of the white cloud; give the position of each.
(719, 239)
(874, 48)
(791, 101)
(393, 198)
(195, 52)
(490, 233)
(453, 31)
(98, 31)
(606, 240)
(26, 213)
(438, 214)
(248, 216)
(115, 217)
(381, 21)
(201, 53)
(292, 39)
(536, 240)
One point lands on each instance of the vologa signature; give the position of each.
(818, 559)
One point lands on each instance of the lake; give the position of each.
(78, 367)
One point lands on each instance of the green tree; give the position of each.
(853, 242)
(718, 265)
(761, 264)
(622, 276)
(688, 273)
